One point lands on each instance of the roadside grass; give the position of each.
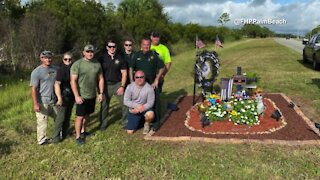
(113, 154)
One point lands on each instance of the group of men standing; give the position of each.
(134, 78)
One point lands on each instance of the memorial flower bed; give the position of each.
(242, 110)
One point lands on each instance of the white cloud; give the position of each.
(301, 15)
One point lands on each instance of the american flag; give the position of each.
(218, 42)
(199, 44)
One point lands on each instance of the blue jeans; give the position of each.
(134, 120)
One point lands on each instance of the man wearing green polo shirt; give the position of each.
(153, 68)
(86, 75)
(164, 54)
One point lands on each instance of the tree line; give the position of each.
(67, 25)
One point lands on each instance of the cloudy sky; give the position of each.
(292, 16)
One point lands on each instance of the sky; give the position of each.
(281, 16)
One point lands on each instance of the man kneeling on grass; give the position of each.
(139, 97)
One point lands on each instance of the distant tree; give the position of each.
(224, 18)
(253, 31)
(139, 17)
(192, 30)
(11, 13)
(39, 31)
(313, 31)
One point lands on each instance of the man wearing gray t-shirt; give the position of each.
(139, 97)
(42, 91)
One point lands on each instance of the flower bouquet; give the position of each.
(237, 110)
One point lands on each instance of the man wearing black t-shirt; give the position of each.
(114, 69)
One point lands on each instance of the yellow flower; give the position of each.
(234, 113)
(214, 96)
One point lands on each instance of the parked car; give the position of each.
(311, 51)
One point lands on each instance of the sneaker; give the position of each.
(45, 142)
(80, 141)
(146, 128)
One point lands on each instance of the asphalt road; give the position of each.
(291, 43)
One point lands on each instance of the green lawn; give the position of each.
(115, 155)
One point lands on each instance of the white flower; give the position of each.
(255, 113)
(235, 103)
(242, 102)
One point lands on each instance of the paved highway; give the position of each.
(291, 43)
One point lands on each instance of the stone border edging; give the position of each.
(269, 131)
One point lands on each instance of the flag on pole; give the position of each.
(218, 42)
(199, 43)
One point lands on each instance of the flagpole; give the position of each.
(195, 76)
(215, 44)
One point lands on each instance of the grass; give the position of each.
(115, 155)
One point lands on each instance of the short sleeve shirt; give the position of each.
(112, 67)
(128, 58)
(149, 63)
(43, 78)
(63, 76)
(88, 73)
(163, 52)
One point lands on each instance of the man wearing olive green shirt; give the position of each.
(86, 74)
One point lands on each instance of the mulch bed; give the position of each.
(298, 129)
(267, 124)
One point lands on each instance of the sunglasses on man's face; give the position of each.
(89, 51)
(128, 45)
(111, 46)
(67, 59)
(139, 77)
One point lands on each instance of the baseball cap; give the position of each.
(155, 34)
(88, 47)
(46, 54)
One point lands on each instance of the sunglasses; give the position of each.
(128, 45)
(139, 77)
(89, 51)
(67, 59)
(111, 46)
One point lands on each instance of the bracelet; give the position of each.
(121, 85)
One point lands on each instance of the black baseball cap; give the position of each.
(155, 34)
